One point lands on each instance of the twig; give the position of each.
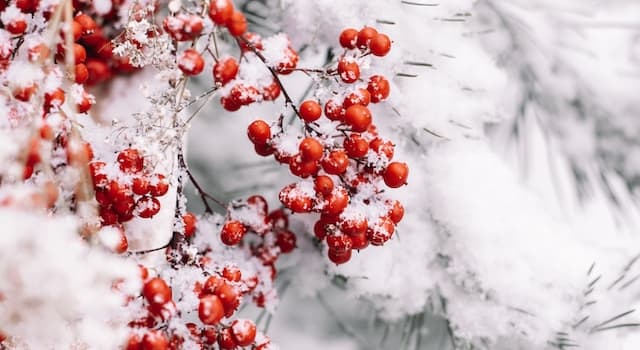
(204, 195)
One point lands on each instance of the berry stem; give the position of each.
(147, 251)
(201, 192)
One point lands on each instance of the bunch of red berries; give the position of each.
(217, 299)
(346, 168)
(92, 49)
(237, 91)
(272, 236)
(127, 191)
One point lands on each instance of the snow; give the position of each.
(77, 284)
(102, 7)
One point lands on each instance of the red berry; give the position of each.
(38, 52)
(380, 45)
(220, 11)
(310, 111)
(334, 111)
(156, 291)
(237, 24)
(79, 53)
(289, 63)
(323, 184)
(396, 212)
(359, 97)
(286, 240)
(82, 73)
(396, 174)
(28, 6)
(295, 199)
(147, 206)
(210, 310)
(379, 88)
(244, 94)
(348, 38)
(354, 226)
(264, 150)
(130, 160)
(336, 162)
(54, 98)
(230, 104)
(337, 201)
(226, 340)
(358, 117)
(254, 40)
(108, 216)
(232, 232)
(243, 331)
(259, 132)
(76, 30)
(339, 258)
(193, 25)
(158, 185)
(311, 149)
(303, 169)
(382, 147)
(87, 23)
(229, 298)
(278, 219)
(190, 62)
(154, 340)
(85, 103)
(134, 342)
(364, 37)
(356, 146)
(212, 284)
(271, 91)
(232, 273)
(123, 202)
(381, 232)
(17, 25)
(99, 71)
(260, 203)
(210, 335)
(123, 244)
(349, 70)
(189, 220)
(140, 185)
(359, 240)
(225, 70)
(323, 227)
(339, 243)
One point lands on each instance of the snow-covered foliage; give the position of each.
(463, 176)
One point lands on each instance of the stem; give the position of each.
(142, 252)
(204, 195)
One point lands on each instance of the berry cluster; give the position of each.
(213, 301)
(127, 191)
(345, 169)
(240, 92)
(93, 56)
(272, 236)
(236, 91)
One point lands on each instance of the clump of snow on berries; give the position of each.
(79, 285)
